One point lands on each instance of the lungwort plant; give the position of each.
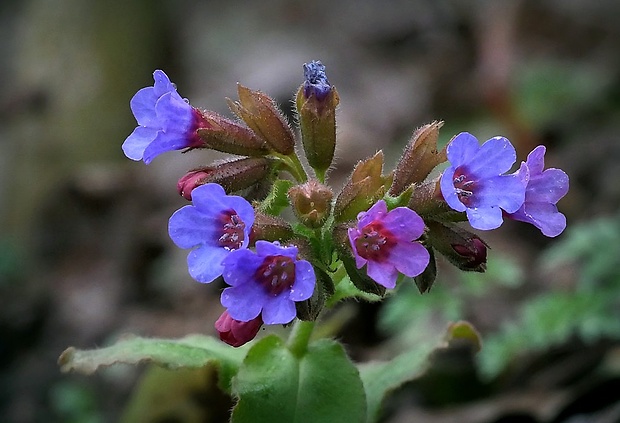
(380, 230)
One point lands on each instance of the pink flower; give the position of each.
(385, 242)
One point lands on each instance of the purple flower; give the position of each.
(384, 242)
(166, 121)
(544, 189)
(216, 225)
(269, 280)
(475, 182)
(316, 82)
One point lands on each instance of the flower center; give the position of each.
(375, 242)
(233, 230)
(464, 185)
(276, 274)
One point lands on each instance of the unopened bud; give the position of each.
(231, 137)
(260, 113)
(462, 248)
(316, 103)
(191, 180)
(426, 199)
(365, 186)
(419, 158)
(270, 228)
(235, 332)
(311, 203)
(232, 176)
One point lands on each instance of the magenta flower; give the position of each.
(268, 281)
(544, 189)
(215, 225)
(475, 182)
(385, 242)
(236, 333)
(166, 122)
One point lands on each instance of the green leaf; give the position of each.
(346, 289)
(382, 377)
(191, 351)
(273, 385)
(277, 200)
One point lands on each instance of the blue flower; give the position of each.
(215, 225)
(268, 281)
(166, 122)
(385, 242)
(316, 82)
(475, 182)
(544, 189)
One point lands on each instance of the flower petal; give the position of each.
(189, 227)
(163, 143)
(536, 160)
(138, 141)
(410, 258)
(278, 310)
(376, 212)
(485, 218)
(505, 191)
(244, 302)
(495, 157)
(240, 267)
(205, 263)
(305, 281)
(174, 114)
(548, 187)
(266, 248)
(162, 83)
(211, 197)
(143, 107)
(384, 273)
(544, 216)
(449, 192)
(354, 234)
(405, 223)
(461, 149)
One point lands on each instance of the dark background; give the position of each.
(84, 253)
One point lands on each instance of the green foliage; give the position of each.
(75, 403)
(551, 90)
(277, 199)
(410, 317)
(589, 310)
(274, 385)
(193, 351)
(382, 377)
(171, 395)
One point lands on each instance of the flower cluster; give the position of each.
(379, 229)
(477, 183)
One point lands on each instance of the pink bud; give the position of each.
(191, 180)
(474, 253)
(235, 332)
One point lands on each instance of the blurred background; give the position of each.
(84, 252)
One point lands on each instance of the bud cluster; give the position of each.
(377, 231)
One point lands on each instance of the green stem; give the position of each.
(300, 337)
(294, 167)
(320, 175)
(299, 168)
